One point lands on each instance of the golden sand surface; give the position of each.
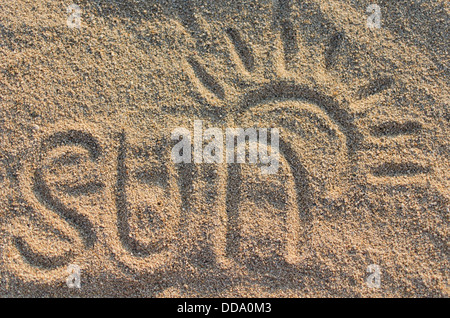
(87, 178)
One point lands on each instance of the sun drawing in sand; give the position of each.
(319, 144)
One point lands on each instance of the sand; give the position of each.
(87, 179)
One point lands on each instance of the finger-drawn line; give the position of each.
(288, 33)
(77, 220)
(186, 173)
(73, 137)
(186, 14)
(393, 128)
(333, 47)
(159, 177)
(206, 253)
(233, 236)
(376, 86)
(393, 169)
(289, 37)
(206, 79)
(300, 178)
(242, 49)
(38, 260)
(43, 193)
(123, 213)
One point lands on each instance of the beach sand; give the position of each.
(87, 178)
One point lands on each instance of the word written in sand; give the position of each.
(235, 152)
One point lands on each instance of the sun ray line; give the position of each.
(192, 21)
(206, 79)
(242, 50)
(393, 169)
(333, 47)
(282, 20)
(376, 86)
(393, 128)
